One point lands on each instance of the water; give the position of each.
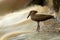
(16, 26)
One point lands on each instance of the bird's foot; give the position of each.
(38, 30)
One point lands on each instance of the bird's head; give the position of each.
(32, 13)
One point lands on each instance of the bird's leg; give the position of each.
(38, 26)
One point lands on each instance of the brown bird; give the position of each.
(39, 17)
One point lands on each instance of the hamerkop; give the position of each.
(39, 17)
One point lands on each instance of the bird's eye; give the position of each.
(35, 11)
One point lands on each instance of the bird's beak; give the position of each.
(28, 15)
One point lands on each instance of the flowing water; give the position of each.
(16, 26)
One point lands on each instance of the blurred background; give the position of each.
(7, 6)
(12, 5)
(12, 21)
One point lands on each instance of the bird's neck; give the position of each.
(32, 15)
